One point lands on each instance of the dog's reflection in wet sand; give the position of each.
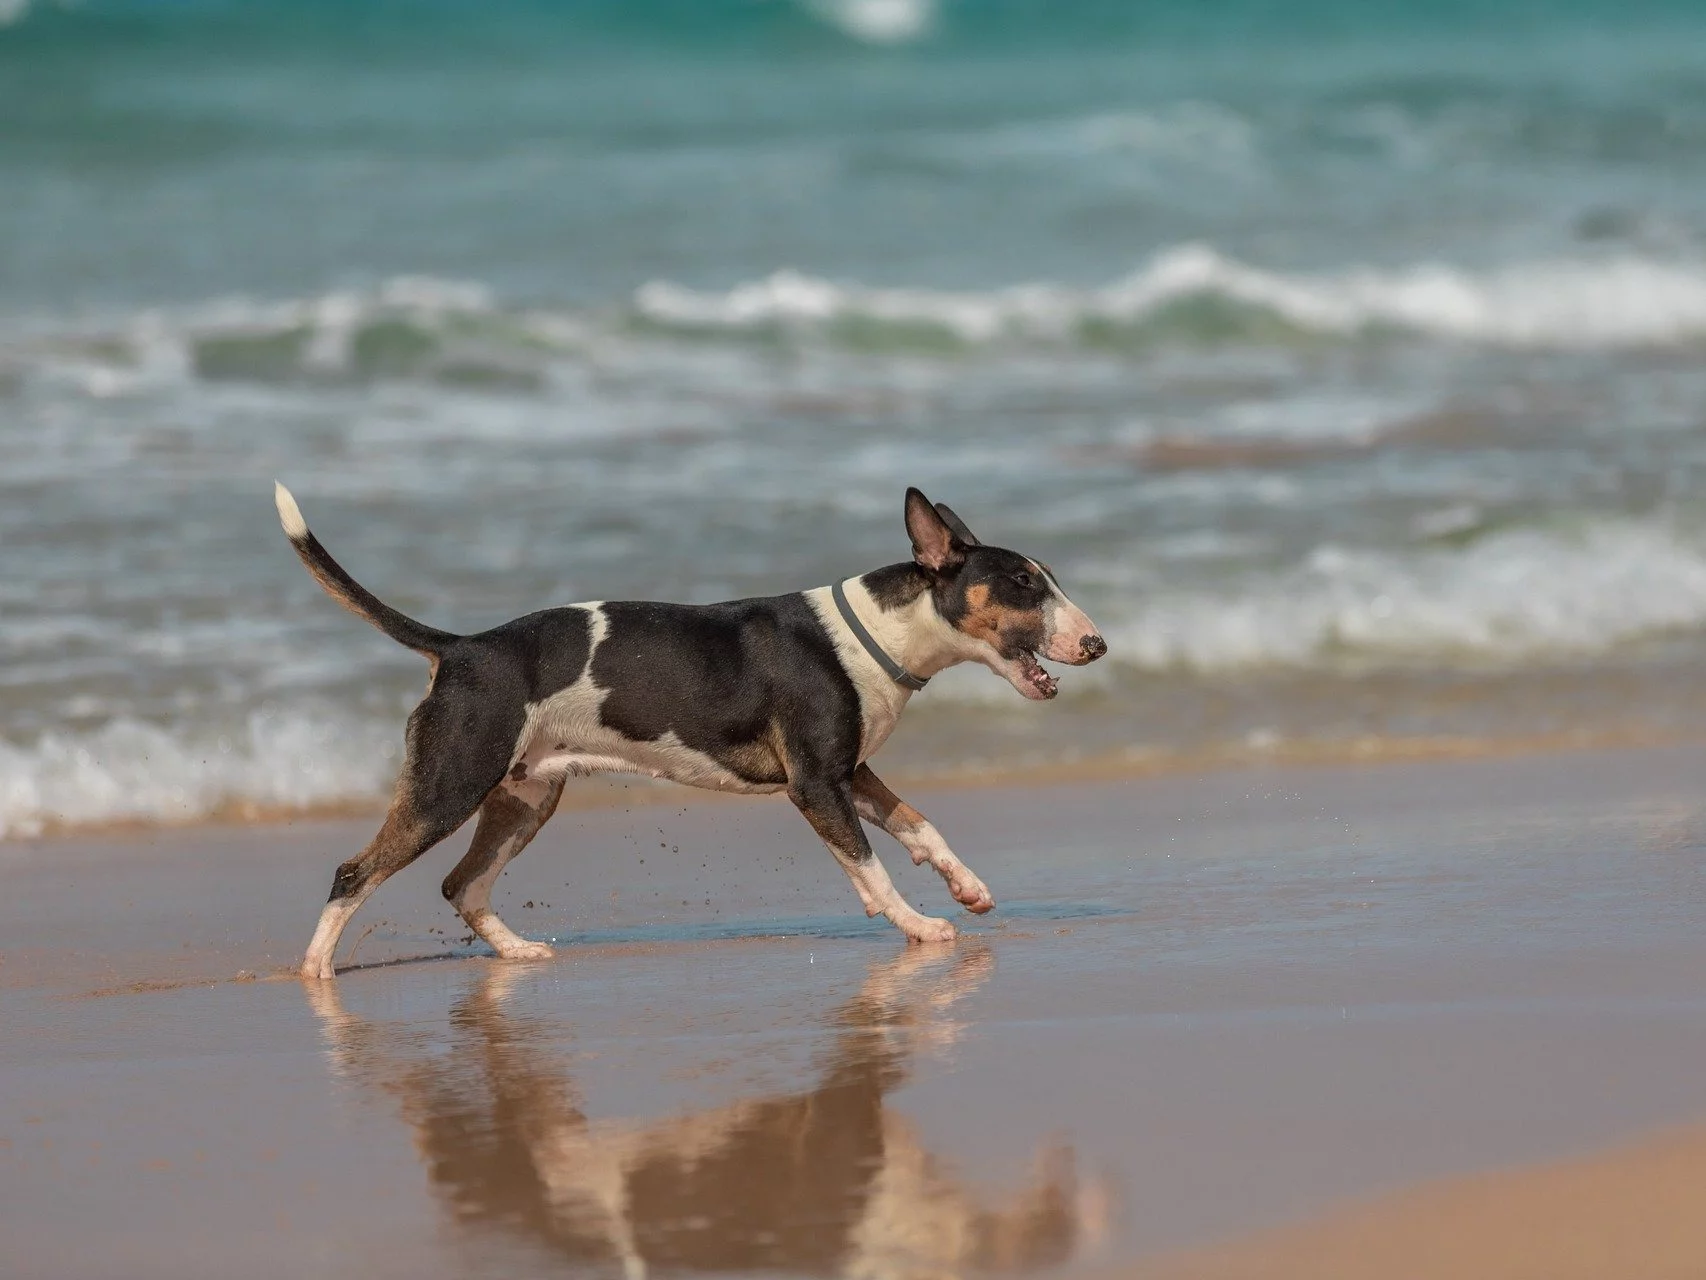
(826, 1181)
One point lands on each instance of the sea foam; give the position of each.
(458, 335)
(1589, 302)
(131, 771)
(1508, 598)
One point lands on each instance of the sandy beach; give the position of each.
(1280, 1022)
(1634, 1211)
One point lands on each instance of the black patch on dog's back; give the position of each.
(547, 651)
(726, 677)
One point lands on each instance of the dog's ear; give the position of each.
(933, 543)
(965, 536)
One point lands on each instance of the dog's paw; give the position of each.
(524, 950)
(317, 970)
(971, 893)
(929, 929)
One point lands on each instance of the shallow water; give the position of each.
(1203, 1006)
(1347, 368)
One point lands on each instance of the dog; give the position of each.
(790, 693)
(828, 1179)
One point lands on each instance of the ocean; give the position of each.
(1345, 360)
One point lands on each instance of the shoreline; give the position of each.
(610, 791)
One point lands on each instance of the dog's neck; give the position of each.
(911, 632)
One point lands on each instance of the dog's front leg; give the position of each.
(882, 807)
(828, 806)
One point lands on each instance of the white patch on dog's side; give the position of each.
(563, 735)
(289, 514)
(598, 623)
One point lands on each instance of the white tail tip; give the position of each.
(289, 514)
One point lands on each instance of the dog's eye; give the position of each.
(1023, 579)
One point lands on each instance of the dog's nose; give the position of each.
(1093, 647)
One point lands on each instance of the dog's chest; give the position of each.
(880, 704)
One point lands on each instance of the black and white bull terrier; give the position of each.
(783, 693)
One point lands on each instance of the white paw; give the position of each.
(928, 929)
(320, 970)
(524, 950)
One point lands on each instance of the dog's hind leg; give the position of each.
(406, 834)
(510, 817)
(882, 807)
(458, 749)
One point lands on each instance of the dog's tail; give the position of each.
(348, 592)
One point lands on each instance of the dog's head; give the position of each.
(1006, 609)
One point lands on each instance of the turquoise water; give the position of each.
(564, 153)
(1344, 359)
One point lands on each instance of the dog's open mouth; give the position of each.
(1032, 671)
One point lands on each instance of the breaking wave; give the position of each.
(457, 335)
(1511, 597)
(131, 771)
(1194, 292)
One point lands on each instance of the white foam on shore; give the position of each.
(1513, 597)
(128, 770)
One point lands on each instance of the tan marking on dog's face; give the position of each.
(994, 623)
(1015, 611)
(981, 621)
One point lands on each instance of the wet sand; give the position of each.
(1635, 1211)
(1208, 1009)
